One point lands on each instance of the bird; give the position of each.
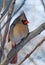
(18, 31)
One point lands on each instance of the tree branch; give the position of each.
(14, 14)
(28, 55)
(6, 9)
(7, 26)
(23, 42)
(31, 59)
(19, 7)
(4, 4)
(43, 4)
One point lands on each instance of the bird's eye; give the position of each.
(23, 21)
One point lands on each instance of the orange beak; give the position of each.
(26, 22)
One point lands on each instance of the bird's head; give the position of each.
(23, 18)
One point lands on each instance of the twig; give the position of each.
(0, 5)
(31, 59)
(4, 4)
(23, 42)
(4, 12)
(43, 4)
(28, 55)
(20, 7)
(14, 14)
(0, 43)
(7, 26)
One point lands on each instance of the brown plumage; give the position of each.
(18, 32)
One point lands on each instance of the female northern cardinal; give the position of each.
(18, 31)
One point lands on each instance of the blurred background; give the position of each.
(35, 13)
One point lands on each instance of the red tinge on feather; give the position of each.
(26, 22)
(14, 59)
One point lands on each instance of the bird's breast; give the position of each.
(19, 32)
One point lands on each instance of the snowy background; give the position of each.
(35, 14)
